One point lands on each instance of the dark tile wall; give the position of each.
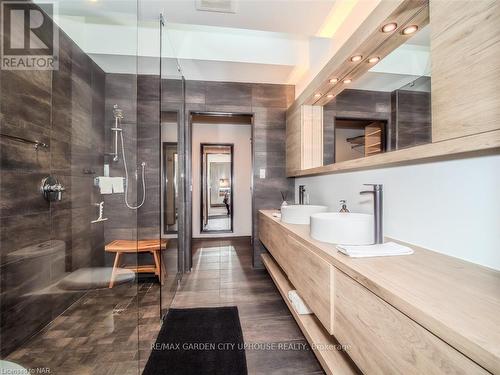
(64, 109)
(121, 89)
(148, 151)
(138, 97)
(358, 104)
(411, 118)
(268, 103)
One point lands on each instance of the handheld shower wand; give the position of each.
(118, 114)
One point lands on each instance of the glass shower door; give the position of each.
(172, 162)
(68, 157)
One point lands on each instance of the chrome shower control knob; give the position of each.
(51, 189)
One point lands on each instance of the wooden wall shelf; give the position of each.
(449, 149)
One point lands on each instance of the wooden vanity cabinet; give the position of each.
(311, 276)
(379, 338)
(274, 239)
(382, 340)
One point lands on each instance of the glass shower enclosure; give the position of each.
(85, 266)
(172, 195)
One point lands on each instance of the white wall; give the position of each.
(240, 136)
(452, 207)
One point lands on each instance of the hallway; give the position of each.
(223, 276)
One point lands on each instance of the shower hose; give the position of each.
(143, 166)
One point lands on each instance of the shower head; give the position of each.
(117, 112)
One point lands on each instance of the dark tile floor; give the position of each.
(110, 331)
(223, 276)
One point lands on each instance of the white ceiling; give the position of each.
(302, 17)
(269, 41)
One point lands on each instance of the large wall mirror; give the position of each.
(378, 101)
(385, 109)
(216, 211)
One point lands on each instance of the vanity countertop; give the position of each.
(456, 300)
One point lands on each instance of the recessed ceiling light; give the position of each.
(410, 29)
(329, 96)
(317, 95)
(347, 80)
(374, 59)
(334, 80)
(356, 58)
(387, 28)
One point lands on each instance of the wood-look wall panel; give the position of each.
(293, 141)
(306, 130)
(317, 137)
(465, 55)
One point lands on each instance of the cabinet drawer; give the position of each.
(274, 239)
(312, 277)
(264, 230)
(382, 340)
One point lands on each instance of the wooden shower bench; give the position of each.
(120, 247)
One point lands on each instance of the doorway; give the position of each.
(217, 195)
(221, 129)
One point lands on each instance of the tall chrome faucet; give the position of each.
(302, 190)
(377, 210)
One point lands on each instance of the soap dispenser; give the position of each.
(344, 206)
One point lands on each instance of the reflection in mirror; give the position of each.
(169, 171)
(411, 114)
(355, 138)
(217, 187)
(386, 109)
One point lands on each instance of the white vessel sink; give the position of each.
(343, 228)
(300, 213)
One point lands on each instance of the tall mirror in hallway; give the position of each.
(216, 187)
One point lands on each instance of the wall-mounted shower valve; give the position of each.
(51, 189)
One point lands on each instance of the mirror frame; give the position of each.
(202, 181)
(368, 41)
